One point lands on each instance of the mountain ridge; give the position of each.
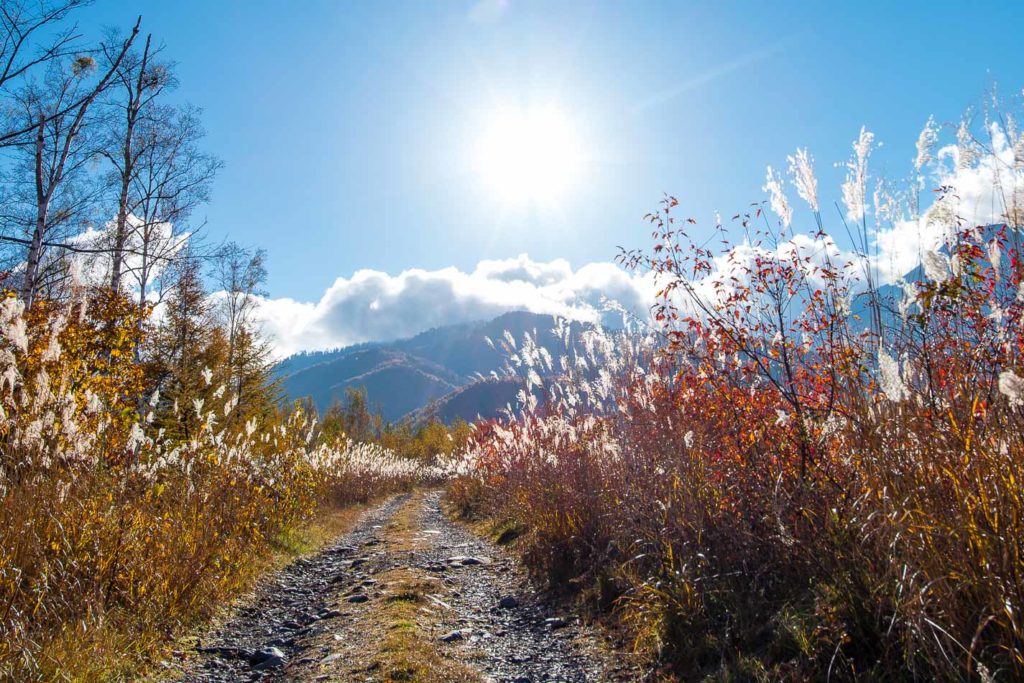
(449, 372)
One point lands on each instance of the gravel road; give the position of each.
(317, 619)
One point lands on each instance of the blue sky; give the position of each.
(345, 125)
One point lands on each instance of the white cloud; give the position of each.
(985, 186)
(372, 305)
(159, 240)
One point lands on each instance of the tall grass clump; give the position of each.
(135, 500)
(804, 468)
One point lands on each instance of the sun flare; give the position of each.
(528, 156)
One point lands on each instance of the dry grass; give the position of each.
(764, 494)
(327, 526)
(292, 543)
(117, 532)
(410, 650)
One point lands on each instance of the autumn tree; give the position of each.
(352, 417)
(240, 274)
(182, 351)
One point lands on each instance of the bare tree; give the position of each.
(138, 81)
(51, 192)
(158, 173)
(240, 273)
(22, 23)
(170, 177)
(25, 46)
(59, 149)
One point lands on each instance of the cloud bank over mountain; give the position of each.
(375, 306)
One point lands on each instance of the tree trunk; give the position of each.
(120, 234)
(35, 250)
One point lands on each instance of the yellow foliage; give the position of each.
(126, 515)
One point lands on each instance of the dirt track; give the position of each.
(407, 595)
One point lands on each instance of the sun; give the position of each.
(528, 156)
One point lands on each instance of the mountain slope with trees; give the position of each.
(454, 372)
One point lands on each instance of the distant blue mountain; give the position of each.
(446, 371)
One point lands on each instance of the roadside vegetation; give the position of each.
(796, 472)
(149, 468)
(143, 476)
